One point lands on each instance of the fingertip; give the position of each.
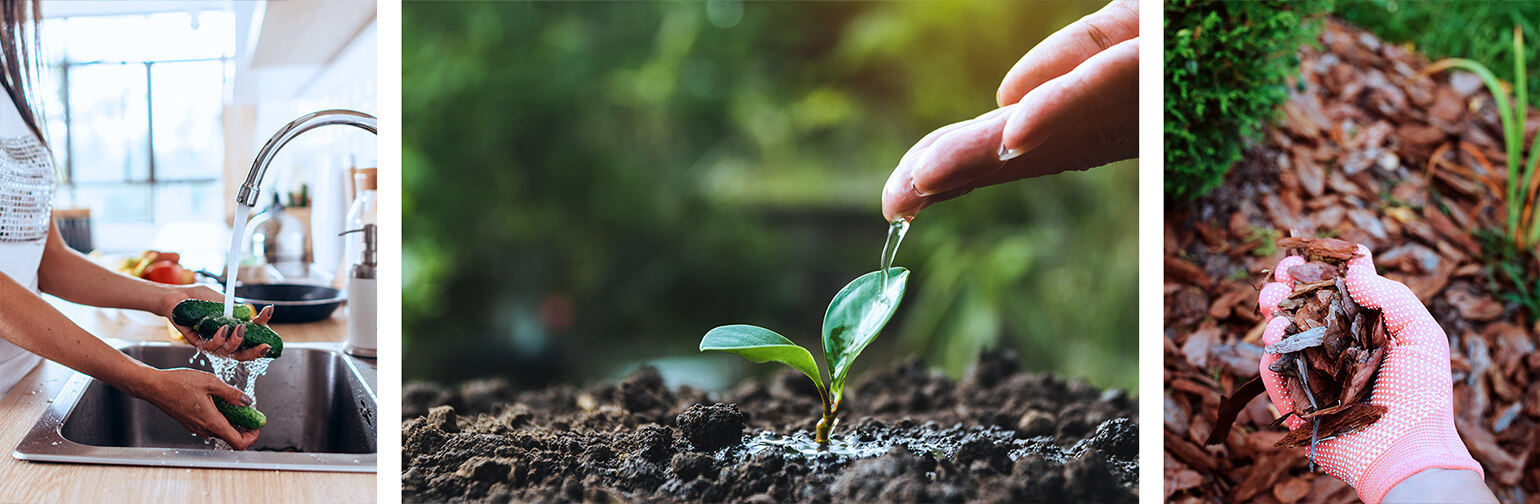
(1013, 135)
(1364, 263)
(1274, 330)
(1281, 272)
(1365, 253)
(1270, 296)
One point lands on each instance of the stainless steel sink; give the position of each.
(320, 405)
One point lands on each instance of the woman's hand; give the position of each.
(1417, 432)
(223, 343)
(1079, 88)
(184, 394)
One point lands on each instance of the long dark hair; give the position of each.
(18, 62)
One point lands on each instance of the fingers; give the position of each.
(233, 343)
(957, 163)
(1406, 319)
(899, 195)
(1069, 47)
(214, 422)
(245, 439)
(1270, 380)
(220, 389)
(262, 318)
(223, 430)
(1281, 272)
(1267, 302)
(962, 155)
(1098, 100)
(252, 353)
(213, 343)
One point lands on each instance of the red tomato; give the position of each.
(165, 272)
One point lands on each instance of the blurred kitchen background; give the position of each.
(591, 186)
(156, 109)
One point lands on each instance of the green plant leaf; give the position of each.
(856, 315)
(760, 345)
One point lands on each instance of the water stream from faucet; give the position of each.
(233, 262)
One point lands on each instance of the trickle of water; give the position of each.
(255, 368)
(233, 264)
(223, 367)
(896, 231)
(230, 371)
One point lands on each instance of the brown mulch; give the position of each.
(1369, 151)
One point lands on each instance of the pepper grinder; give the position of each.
(363, 319)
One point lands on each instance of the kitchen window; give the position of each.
(133, 106)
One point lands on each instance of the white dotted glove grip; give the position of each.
(1417, 430)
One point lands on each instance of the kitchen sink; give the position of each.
(320, 405)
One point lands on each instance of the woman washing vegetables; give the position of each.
(34, 260)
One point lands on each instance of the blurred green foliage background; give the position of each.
(589, 186)
(1474, 29)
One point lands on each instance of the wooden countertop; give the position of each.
(53, 482)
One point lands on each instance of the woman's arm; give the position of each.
(34, 325)
(71, 276)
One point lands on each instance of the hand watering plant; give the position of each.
(854, 318)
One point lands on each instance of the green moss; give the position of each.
(1266, 240)
(1227, 65)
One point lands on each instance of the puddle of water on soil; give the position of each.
(800, 444)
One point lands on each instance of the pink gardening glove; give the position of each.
(1417, 430)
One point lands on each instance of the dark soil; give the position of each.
(998, 435)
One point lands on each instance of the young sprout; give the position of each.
(855, 316)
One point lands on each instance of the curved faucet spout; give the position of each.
(248, 193)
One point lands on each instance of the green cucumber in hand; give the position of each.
(245, 417)
(255, 334)
(188, 312)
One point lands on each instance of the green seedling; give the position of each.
(854, 318)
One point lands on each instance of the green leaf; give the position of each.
(760, 345)
(855, 317)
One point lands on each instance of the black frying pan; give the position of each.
(292, 303)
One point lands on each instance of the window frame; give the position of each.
(152, 182)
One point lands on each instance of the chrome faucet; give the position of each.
(248, 193)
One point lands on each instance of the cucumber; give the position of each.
(255, 334)
(245, 417)
(187, 313)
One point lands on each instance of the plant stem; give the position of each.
(821, 435)
(826, 424)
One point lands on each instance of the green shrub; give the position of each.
(1226, 69)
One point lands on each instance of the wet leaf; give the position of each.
(855, 317)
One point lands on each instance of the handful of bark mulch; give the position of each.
(1329, 356)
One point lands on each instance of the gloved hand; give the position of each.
(1417, 430)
